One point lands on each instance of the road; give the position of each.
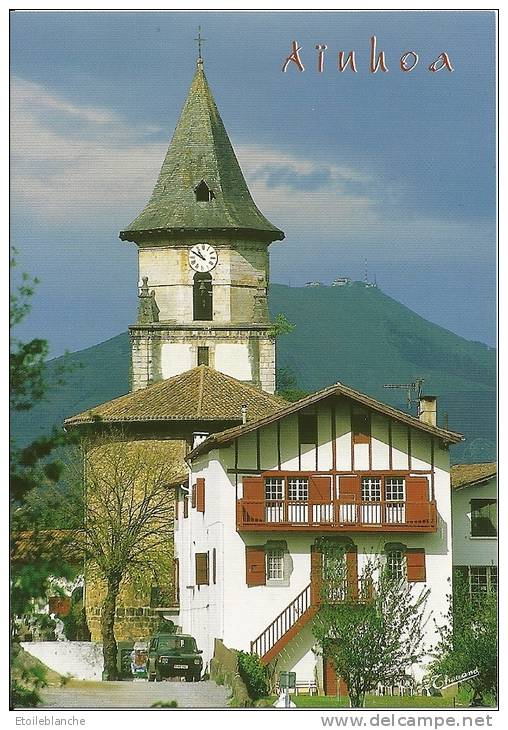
(99, 695)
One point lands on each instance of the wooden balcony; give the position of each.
(347, 515)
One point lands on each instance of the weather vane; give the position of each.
(199, 41)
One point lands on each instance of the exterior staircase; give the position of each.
(286, 625)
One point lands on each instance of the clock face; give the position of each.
(203, 257)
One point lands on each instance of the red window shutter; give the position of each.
(417, 500)
(415, 565)
(319, 490)
(255, 572)
(193, 496)
(200, 494)
(349, 489)
(185, 506)
(352, 571)
(253, 499)
(417, 489)
(201, 569)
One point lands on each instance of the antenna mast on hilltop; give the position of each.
(410, 388)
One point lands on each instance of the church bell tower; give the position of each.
(203, 259)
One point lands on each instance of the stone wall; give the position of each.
(136, 617)
(224, 670)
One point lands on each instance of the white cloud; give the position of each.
(75, 163)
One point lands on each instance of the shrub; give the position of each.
(254, 674)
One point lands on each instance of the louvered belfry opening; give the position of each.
(203, 297)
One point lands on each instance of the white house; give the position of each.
(474, 517)
(338, 464)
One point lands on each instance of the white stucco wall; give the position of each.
(176, 358)
(233, 359)
(237, 613)
(469, 550)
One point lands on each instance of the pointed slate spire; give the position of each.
(200, 152)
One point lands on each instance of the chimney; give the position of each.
(198, 437)
(244, 413)
(428, 409)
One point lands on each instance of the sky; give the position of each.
(395, 169)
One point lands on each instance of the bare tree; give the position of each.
(372, 632)
(127, 505)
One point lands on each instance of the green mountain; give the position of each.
(354, 334)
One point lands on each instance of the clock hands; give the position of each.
(196, 253)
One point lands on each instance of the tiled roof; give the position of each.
(227, 436)
(200, 151)
(201, 394)
(465, 474)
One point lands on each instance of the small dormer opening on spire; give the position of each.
(203, 193)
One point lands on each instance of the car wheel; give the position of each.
(189, 678)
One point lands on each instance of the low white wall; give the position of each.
(81, 659)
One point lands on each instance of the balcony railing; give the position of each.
(340, 514)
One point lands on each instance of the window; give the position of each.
(203, 193)
(203, 355)
(483, 518)
(214, 566)
(183, 644)
(298, 490)
(307, 428)
(159, 597)
(394, 490)
(202, 297)
(396, 564)
(201, 569)
(360, 427)
(185, 506)
(274, 489)
(275, 564)
(482, 580)
(371, 490)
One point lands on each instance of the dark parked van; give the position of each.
(174, 655)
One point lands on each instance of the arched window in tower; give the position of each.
(203, 193)
(203, 297)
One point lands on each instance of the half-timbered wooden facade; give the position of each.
(337, 464)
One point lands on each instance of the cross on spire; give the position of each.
(199, 40)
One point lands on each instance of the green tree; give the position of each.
(373, 635)
(287, 385)
(31, 467)
(126, 503)
(34, 466)
(468, 641)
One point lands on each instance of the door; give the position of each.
(329, 677)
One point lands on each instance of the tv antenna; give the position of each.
(410, 388)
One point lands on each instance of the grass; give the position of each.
(309, 701)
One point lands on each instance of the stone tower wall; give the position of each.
(136, 616)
